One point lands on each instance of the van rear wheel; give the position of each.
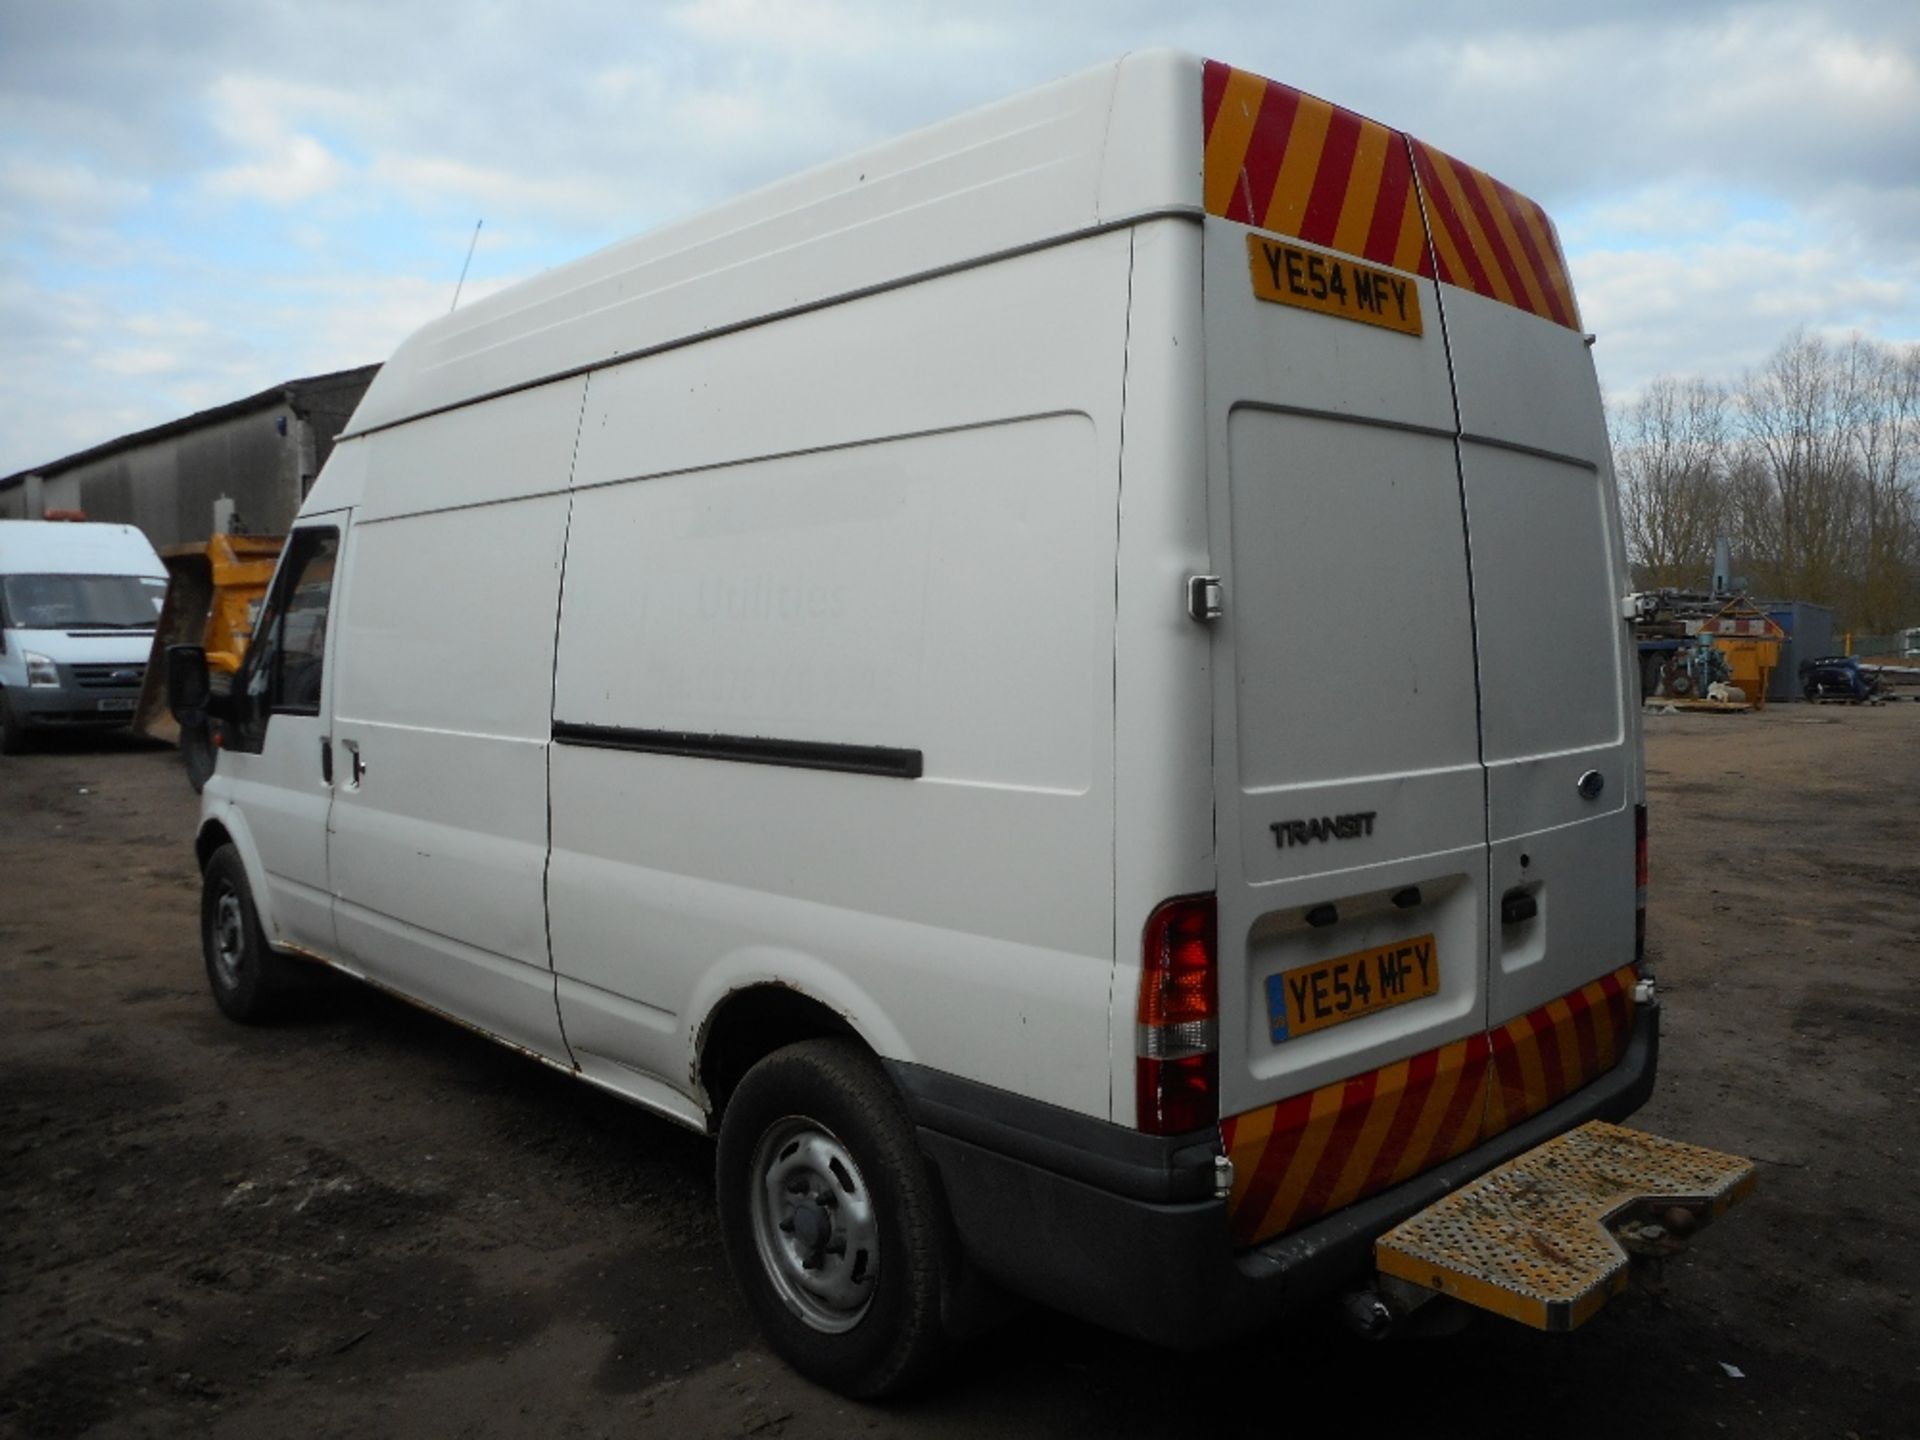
(250, 983)
(833, 1226)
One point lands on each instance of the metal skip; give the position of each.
(1547, 1238)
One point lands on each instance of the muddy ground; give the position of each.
(369, 1222)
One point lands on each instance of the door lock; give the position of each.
(1206, 598)
(1517, 907)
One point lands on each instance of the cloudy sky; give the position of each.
(200, 198)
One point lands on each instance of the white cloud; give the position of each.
(305, 191)
(139, 361)
(489, 189)
(1661, 214)
(73, 190)
(1715, 309)
(799, 26)
(296, 167)
(285, 165)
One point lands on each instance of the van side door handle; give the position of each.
(357, 766)
(326, 758)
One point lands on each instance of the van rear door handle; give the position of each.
(1517, 906)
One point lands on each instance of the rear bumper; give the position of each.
(1124, 1230)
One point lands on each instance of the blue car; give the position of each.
(1838, 677)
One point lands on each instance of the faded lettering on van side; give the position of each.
(1353, 826)
(1329, 992)
(1313, 280)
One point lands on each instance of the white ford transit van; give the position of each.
(1062, 685)
(78, 603)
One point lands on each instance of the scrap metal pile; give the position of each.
(1702, 651)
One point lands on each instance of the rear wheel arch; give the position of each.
(751, 1023)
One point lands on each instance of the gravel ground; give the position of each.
(369, 1222)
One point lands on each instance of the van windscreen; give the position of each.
(94, 602)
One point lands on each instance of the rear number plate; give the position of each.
(116, 704)
(1310, 280)
(1331, 992)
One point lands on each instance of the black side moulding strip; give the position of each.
(747, 749)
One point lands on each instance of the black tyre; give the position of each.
(13, 735)
(833, 1226)
(250, 983)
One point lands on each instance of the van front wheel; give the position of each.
(249, 982)
(13, 734)
(832, 1224)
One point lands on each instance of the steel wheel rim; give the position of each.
(815, 1224)
(229, 935)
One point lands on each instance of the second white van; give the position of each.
(78, 606)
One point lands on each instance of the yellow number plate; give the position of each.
(1290, 275)
(1331, 992)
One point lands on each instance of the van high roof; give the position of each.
(1153, 133)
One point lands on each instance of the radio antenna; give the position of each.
(461, 283)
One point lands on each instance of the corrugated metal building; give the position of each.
(261, 453)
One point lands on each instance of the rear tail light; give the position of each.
(1177, 1069)
(1639, 884)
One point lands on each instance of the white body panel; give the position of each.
(281, 796)
(62, 547)
(914, 455)
(1344, 673)
(872, 553)
(444, 689)
(1556, 659)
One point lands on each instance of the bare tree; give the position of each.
(1799, 411)
(1811, 464)
(1886, 442)
(1669, 455)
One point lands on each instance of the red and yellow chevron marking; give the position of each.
(1492, 240)
(1311, 1155)
(1315, 1153)
(1545, 1055)
(1293, 164)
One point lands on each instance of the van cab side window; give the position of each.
(281, 674)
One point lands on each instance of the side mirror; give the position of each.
(188, 687)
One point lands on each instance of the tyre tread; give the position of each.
(903, 1338)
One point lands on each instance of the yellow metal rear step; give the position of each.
(1545, 1239)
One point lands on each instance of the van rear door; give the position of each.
(1558, 734)
(1425, 764)
(1350, 806)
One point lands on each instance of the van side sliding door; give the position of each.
(446, 674)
